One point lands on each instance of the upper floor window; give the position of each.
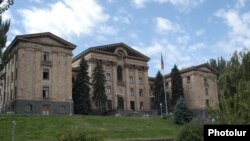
(206, 91)
(131, 91)
(108, 90)
(108, 76)
(188, 79)
(131, 79)
(45, 73)
(45, 92)
(46, 56)
(141, 92)
(140, 80)
(119, 73)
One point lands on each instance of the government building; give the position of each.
(39, 69)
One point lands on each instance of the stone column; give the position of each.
(146, 88)
(114, 84)
(127, 91)
(136, 91)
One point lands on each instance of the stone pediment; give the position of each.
(46, 38)
(119, 49)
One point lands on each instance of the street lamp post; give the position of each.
(161, 109)
(13, 130)
(70, 106)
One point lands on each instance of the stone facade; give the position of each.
(37, 74)
(126, 73)
(199, 85)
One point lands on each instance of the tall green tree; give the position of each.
(81, 90)
(234, 89)
(176, 87)
(159, 96)
(99, 97)
(4, 28)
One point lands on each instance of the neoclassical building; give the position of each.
(36, 78)
(39, 69)
(126, 71)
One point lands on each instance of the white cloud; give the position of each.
(239, 29)
(64, 17)
(184, 5)
(36, 1)
(197, 46)
(164, 25)
(138, 3)
(108, 30)
(181, 5)
(200, 32)
(240, 3)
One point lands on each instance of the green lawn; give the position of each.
(47, 128)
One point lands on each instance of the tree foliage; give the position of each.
(181, 113)
(81, 90)
(176, 87)
(98, 82)
(159, 92)
(4, 28)
(234, 87)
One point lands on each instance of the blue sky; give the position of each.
(186, 32)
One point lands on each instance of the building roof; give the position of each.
(110, 49)
(195, 68)
(31, 37)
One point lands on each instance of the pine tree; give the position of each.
(4, 28)
(100, 98)
(81, 90)
(159, 92)
(176, 87)
(181, 113)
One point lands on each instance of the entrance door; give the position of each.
(45, 109)
(109, 105)
(120, 102)
(132, 105)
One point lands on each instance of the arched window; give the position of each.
(119, 73)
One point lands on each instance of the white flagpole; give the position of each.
(164, 86)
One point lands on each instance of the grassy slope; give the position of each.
(46, 128)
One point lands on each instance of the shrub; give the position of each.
(181, 113)
(192, 131)
(76, 134)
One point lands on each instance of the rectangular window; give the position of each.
(151, 87)
(141, 92)
(28, 108)
(108, 90)
(141, 105)
(206, 91)
(45, 73)
(207, 103)
(131, 79)
(16, 74)
(45, 56)
(45, 92)
(12, 76)
(205, 82)
(188, 79)
(140, 80)
(108, 76)
(15, 92)
(131, 91)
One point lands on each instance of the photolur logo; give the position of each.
(241, 132)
